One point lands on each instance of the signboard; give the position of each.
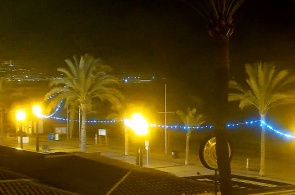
(61, 130)
(102, 132)
(146, 143)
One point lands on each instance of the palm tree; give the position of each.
(191, 119)
(85, 81)
(219, 16)
(1, 107)
(72, 113)
(266, 89)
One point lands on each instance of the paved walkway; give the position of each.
(276, 170)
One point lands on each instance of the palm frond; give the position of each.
(72, 72)
(233, 85)
(191, 118)
(223, 9)
(83, 81)
(283, 79)
(264, 88)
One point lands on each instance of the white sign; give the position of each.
(102, 132)
(146, 145)
(61, 130)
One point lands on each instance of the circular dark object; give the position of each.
(207, 153)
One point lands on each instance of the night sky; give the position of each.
(141, 35)
(166, 38)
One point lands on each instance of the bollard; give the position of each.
(247, 163)
(139, 157)
(147, 152)
(95, 138)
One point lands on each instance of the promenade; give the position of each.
(276, 170)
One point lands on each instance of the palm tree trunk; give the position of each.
(1, 123)
(126, 141)
(187, 149)
(221, 114)
(262, 149)
(83, 128)
(72, 122)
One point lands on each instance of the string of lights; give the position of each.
(54, 112)
(277, 131)
(231, 125)
(185, 128)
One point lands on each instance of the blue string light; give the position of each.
(276, 131)
(185, 128)
(253, 122)
(54, 112)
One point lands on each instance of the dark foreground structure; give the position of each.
(75, 174)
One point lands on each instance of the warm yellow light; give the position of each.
(20, 115)
(37, 110)
(138, 124)
(127, 122)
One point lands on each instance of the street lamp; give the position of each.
(126, 124)
(140, 126)
(20, 116)
(37, 111)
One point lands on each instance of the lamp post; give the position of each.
(126, 121)
(20, 116)
(140, 126)
(37, 111)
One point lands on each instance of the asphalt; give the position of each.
(167, 162)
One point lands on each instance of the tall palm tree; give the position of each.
(1, 106)
(266, 89)
(72, 113)
(219, 16)
(191, 119)
(85, 81)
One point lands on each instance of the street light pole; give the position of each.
(37, 110)
(147, 152)
(67, 122)
(140, 126)
(165, 120)
(166, 143)
(21, 137)
(126, 141)
(37, 139)
(20, 116)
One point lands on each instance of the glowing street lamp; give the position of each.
(140, 126)
(20, 116)
(37, 111)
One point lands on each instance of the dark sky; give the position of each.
(164, 37)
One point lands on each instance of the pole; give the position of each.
(126, 141)
(1, 123)
(215, 181)
(79, 124)
(166, 146)
(147, 158)
(106, 138)
(247, 164)
(139, 156)
(67, 122)
(146, 143)
(21, 138)
(37, 137)
(21, 142)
